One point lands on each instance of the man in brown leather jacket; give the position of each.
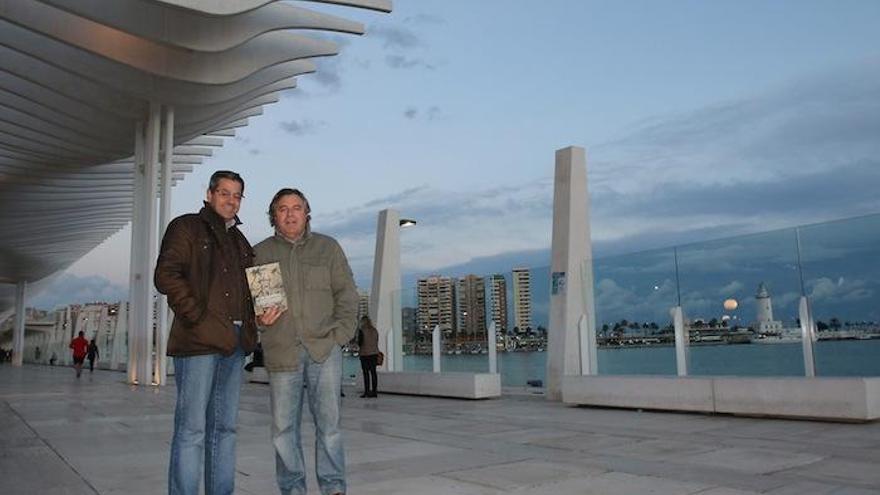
(201, 270)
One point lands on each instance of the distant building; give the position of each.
(765, 322)
(436, 296)
(409, 324)
(472, 308)
(498, 288)
(363, 304)
(522, 299)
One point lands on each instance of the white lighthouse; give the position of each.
(765, 322)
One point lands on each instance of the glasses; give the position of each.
(227, 195)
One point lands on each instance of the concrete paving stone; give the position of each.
(806, 488)
(756, 461)
(843, 471)
(614, 484)
(585, 442)
(520, 474)
(659, 450)
(117, 438)
(425, 485)
(399, 450)
(725, 491)
(30, 470)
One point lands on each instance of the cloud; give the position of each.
(424, 19)
(402, 62)
(395, 37)
(431, 113)
(302, 127)
(842, 289)
(731, 289)
(72, 289)
(801, 154)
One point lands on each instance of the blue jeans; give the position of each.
(208, 389)
(324, 382)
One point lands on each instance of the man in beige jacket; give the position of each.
(302, 345)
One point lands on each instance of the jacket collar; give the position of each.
(302, 240)
(209, 215)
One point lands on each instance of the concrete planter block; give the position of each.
(460, 385)
(842, 399)
(642, 392)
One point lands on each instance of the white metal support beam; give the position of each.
(161, 374)
(18, 330)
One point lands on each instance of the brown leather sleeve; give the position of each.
(174, 269)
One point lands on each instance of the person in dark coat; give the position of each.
(368, 343)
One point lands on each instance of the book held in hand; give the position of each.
(267, 287)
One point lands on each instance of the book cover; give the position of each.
(267, 286)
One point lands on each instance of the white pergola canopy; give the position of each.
(78, 78)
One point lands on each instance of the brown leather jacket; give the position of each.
(201, 270)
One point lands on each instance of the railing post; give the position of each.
(682, 341)
(808, 335)
(435, 345)
(493, 349)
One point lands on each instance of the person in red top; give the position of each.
(80, 348)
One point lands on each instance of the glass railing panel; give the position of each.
(633, 295)
(841, 269)
(740, 301)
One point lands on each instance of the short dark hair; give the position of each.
(214, 183)
(287, 191)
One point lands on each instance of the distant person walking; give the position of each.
(368, 345)
(37, 354)
(92, 355)
(80, 348)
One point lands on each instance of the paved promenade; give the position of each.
(59, 435)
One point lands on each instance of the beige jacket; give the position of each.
(321, 299)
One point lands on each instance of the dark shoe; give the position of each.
(373, 394)
(364, 395)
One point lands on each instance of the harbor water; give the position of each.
(833, 358)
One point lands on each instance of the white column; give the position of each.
(386, 285)
(571, 295)
(161, 374)
(682, 341)
(140, 366)
(119, 334)
(808, 335)
(435, 347)
(137, 246)
(493, 349)
(18, 330)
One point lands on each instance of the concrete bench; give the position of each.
(825, 398)
(461, 385)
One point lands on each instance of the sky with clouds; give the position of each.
(701, 120)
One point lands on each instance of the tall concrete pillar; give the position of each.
(571, 270)
(162, 313)
(143, 249)
(18, 329)
(384, 312)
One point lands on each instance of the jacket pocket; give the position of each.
(317, 277)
